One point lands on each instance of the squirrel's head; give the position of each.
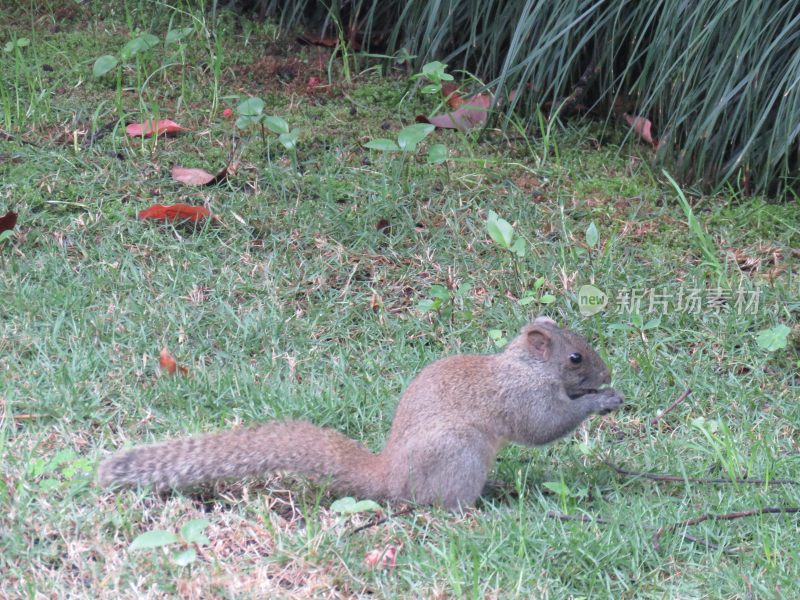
(581, 369)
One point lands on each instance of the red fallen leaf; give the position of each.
(642, 127)
(8, 221)
(175, 212)
(471, 112)
(201, 177)
(169, 365)
(228, 113)
(148, 128)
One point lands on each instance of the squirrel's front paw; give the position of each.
(609, 399)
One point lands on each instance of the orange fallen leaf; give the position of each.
(169, 365)
(382, 558)
(148, 128)
(175, 212)
(8, 221)
(200, 176)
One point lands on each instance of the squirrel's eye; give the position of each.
(575, 358)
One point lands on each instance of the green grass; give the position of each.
(297, 305)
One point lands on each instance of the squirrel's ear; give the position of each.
(545, 321)
(538, 340)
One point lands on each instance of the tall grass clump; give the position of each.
(719, 79)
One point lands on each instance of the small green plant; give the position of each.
(250, 114)
(408, 138)
(568, 497)
(592, 235)
(502, 233)
(773, 338)
(65, 471)
(449, 305)
(190, 535)
(435, 73)
(704, 242)
(498, 338)
(287, 137)
(138, 48)
(721, 448)
(536, 294)
(22, 93)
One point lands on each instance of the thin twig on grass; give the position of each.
(705, 480)
(725, 517)
(601, 521)
(680, 399)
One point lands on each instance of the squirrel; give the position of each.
(448, 427)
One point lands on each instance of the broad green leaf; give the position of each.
(439, 291)
(276, 124)
(499, 230)
(463, 289)
(192, 532)
(495, 334)
(437, 154)
(176, 35)
(774, 338)
(184, 557)
(652, 324)
(156, 538)
(348, 506)
(518, 247)
(81, 465)
(433, 67)
(383, 145)
(435, 71)
(591, 235)
(525, 300)
(431, 88)
(547, 299)
(428, 304)
(5, 235)
(289, 140)
(409, 137)
(48, 485)
(18, 43)
(252, 107)
(557, 487)
(104, 64)
(138, 44)
(247, 121)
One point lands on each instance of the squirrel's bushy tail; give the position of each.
(295, 446)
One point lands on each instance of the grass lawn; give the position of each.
(331, 276)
